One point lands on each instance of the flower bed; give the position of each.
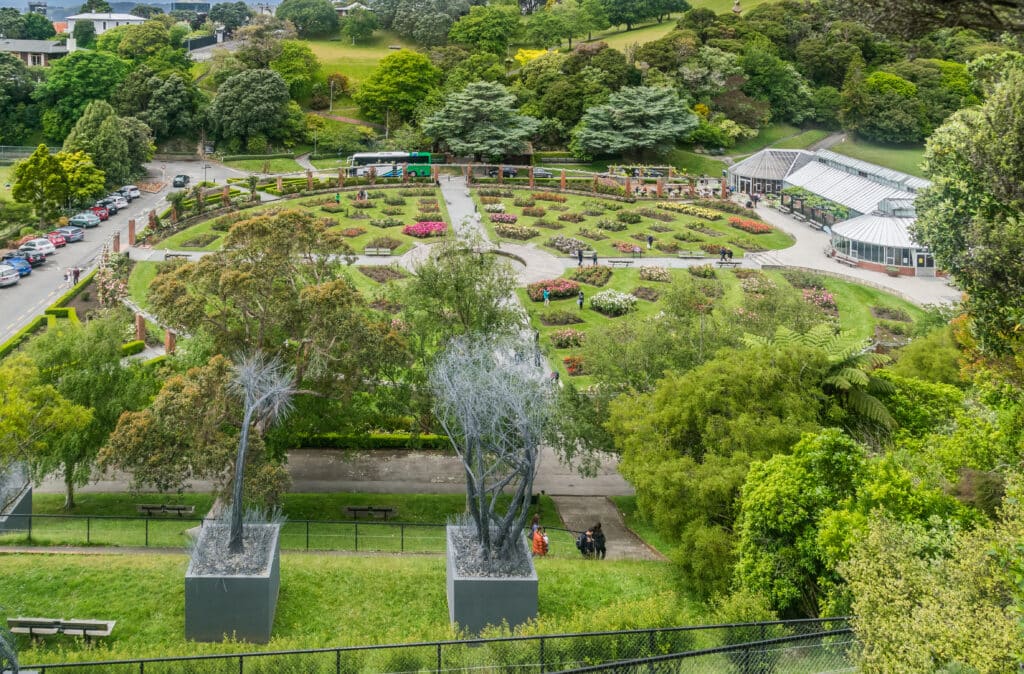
(524, 202)
(667, 246)
(557, 288)
(384, 242)
(571, 217)
(566, 244)
(612, 303)
(495, 192)
(820, 298)
(659, 274)
(593, 235)
(352, 232)
(422, 230)
(655, 215)
(611, 225)
(690, 209)
(750, 226)
(429, 206)
(519, 232)
(495, 208)
(547, 224)
(573, 365)
(486, 201)
(332, 207)
(624, 246)
(712, 248)
(567, 338)
(595, 276)
(504, 218)
(392, 200)
(417, 192)
(384, 223)
(628, 217)
(362, 203)
(645, 293)
(559, 317)
(534, 211)
(702, 271)
(382, 274)
(548, 196)
(392, 210)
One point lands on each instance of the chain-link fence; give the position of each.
(11, 152)
(817, 645)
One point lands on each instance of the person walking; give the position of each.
(67, 278)
(650, 241)
(599, 541)
(579, 256)
(75, 274)
(585, 543)
(547, 297)
(722, 253)
(534, 524)
(579, 301)
(540, 543)
(593, 258)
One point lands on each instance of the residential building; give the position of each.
(34, 52)
(104, 22)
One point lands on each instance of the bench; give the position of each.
(44, 627)
(845, 260)
(691, 254)
(177, 256)
(620, 263)
(587, 254)
(816, 225)
(800, 216)
(373, 511)
(785, 209)
(377, 251)
(149, 509)
(728, 263)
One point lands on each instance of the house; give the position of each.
(345, 10)
(34, 52)
(104, 22)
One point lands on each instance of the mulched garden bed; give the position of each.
(645, 293)
(890, 314)
(382, 274)
(709, 232)
(559, 318)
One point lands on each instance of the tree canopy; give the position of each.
(634, 121)
(397, 87)
(481, 121)
(312, 18)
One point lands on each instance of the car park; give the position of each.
(131, 191)
(19, 263)
(506, 172)
(57, 239)
(8, 275)
(34, 259)
(180, 181)
(100, 211)
(109, 204)
(121, 202)
(71, 233)
(38, 246)
(542, 173)
(85, 219)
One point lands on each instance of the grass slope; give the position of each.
(355, 61)
(280, 165)
(901, 158)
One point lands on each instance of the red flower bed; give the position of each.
(750, 226)
(557, 287)
(573, 365)
(424, 229)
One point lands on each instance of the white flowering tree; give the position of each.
(493, 402)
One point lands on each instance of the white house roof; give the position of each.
(92, 16)
(880, 230)
(913, 183)
(853, 191)
(33, 46)
(771, 164)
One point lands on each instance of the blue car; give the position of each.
(19, 263)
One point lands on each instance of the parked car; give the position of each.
(19, 263)
(72, 233)
(119, 199)
(34, 259)
(38, 246)
(8, 275)
(57, 239)
(85, 219)
(100, 211)
(109, 204)
(506, 172)
(542, 173)
(180, 181)
(131, 191)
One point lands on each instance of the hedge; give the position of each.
(73, 292)
(371, 441)
(12, 343)
(243, 157)
(133, 347)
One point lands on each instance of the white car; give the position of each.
(132, 191)
(39, 246)
(8, 275)
(119, 201)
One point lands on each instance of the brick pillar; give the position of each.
(435, 174)
(140, 327)
(116, 245)
(280, 184)
(131, 232)
(561, 181)
(531, 178)
(501, 174)
(170, 341)
(593, 185)
(174, 215)
(405, 173)
(661, 187)
(225, 196)
(693, 187)
(629, 186)
(468, 173)
(341, 177)
(725, 190)
(309, 180)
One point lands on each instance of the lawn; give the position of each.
(324, 601)
(855, 303)
(720, 6)
(769, 135)
(5, 179)
(280, 165)
(355, 61)
(802, 140)
(619, 38)
(696, 164)
(898, 157)
(141, 277)
(187, 239)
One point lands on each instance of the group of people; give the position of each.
(71, 276)
(590, 543)
(725, 253)
(579, 257)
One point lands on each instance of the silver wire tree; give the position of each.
(8, 654)
(493, 402)
(266, 388)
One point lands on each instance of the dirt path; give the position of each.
(349, 120)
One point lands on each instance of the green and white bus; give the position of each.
(389, 164)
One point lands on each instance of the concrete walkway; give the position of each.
(582, 512)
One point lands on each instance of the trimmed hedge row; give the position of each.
(243, 157)
(12, 343)
(372, 441)
(133, 347)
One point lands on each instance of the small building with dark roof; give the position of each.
(34, 52)
(764, 172)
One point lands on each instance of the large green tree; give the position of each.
(84, 34)
(40, 181)
(883, 107)
(298, 66)
(397, 87)
(251, 102)
(233, 15)
(118, 145)
(636, 120)
(16, 87)
(359, 25)
(312, 18)
(487, 28)
(73, 82)
(38, 27)
(85, 182)
(481, 120)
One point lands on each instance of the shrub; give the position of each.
(524, 202)
(559, 208)
(712, 248)
(661, 229)
(888, 313)
(519, 232)
(384, 242)
(504, 218)
(820, 298)
(133, 347)
(702, 271)
(495, 192)
(573, 365)
(628, 217)
(422, 230)
(667, 246)
(353, 232)
(549, 196)
(558, 288)
(595, 276)
(566, 244)
(612, 303)
(625, 246)
(690, 209)
(430, 207)
(593, 235)
(495, 208)
(392, 210)
(659, 274)
(534, 211)
(332, 207)
(727, 206)
(750, 226)
(426, 217)
(391, 200)
(567, 338)
(362, 203)
(547, 224)
(687, 236)
(384, 223)
(559, 317)
(571, 217)
(611, 225)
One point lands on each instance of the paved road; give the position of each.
(19, 304)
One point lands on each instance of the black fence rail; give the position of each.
(526, 655)
(171, 531)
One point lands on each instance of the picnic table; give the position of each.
(377, 251)
(149, 509)
(373, 511)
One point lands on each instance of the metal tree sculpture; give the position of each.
(492, 401)
(8, 655)
(266, 388)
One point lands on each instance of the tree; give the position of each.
(173, 107)
(40, 180)
(233, 15)
(913, 18)
(943, 87)
(146, 11)
(359, 25)
(298, 66)
(397, 87)
(481, 121)
(16, 87)
(95, 7)
(75, 81)
(84, 34)
(883, 107)
(546, 29)
(261, 40)
(118, 145)
(85, 182)
(142, 41)
(628, 13)
(771, 79)
(635, 120)
(12, 23)
(487, 28)
(593, 16)
(252, 102)
(312, 18)
(37, 27)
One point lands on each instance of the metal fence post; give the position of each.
(542, 667)
(439, 659)
(357, 536)
(337, 662)
(241, 661)
(147, 532)
(30, 527)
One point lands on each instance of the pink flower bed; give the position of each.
(424, 229)
(504, 218)
(557, 287)
(750, 226)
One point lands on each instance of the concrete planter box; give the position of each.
(475, 602)
(242, 606)
(17, 517)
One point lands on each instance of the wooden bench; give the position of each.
(149, 509)
(620, 263)
(845, 260)
(692, 254)
(785, 209)
(800, 216)
(377, 251)
(728, 263)
(177, 256)
(816, 225)
(373, 511)
(587, 255)
(45, 627)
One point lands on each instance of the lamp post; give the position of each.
(331, 108)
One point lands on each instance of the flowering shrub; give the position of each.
(659, 274)
(548, 196)
(557, 287)
(703, 271)
(495, 208)
(667, 246)
(362, 203)
(496, 192)
(384, 223)
(392, 200)
(566, 244)
(547, 224)
(690, 209)
(515, 231)
(612, 303)
(432, 207)
(422, 230)
(489, 200)
(624, 246)
(593, 235)
(751, 226)
(524, 202)
(712, 248)
(392, 210)
(655, 215)
(820, 298)
(384, 242)
(573, 365)
(756, 285)
(353, 231)
(505, 218)
(595, 276)
(628, 217)
(611, 225)
(571, 217)
(332, 207)
(534, 211)
(567, 337)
